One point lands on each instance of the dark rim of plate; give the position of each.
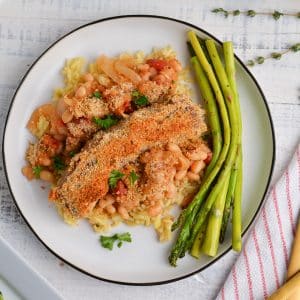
(264, 194)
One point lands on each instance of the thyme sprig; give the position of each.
(274, 55)
(252, 13)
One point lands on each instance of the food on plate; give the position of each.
(121, 142)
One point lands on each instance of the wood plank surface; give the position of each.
(28, 27)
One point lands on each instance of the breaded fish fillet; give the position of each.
(86, 180)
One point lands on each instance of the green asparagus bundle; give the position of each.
(205, 220)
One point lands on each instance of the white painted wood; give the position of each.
(29, 27)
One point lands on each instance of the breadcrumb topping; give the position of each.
(87, 176)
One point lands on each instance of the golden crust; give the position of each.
(86, 180)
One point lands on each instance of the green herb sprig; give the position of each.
(106, 122)
(97, 94)
(37, 171)
(139, 99)
(252, 13)
(72, 153)
(133, 177)
(274, 55)
(114, 177)
(108, 241)
(58, 163)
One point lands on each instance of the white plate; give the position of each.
(144, 261)
(19, 281)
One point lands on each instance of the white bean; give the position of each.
(47, 176)
(27, 172)
(171, 190)
(108, 200)
(44, 161)
(180, 174)
(197, 166)
(192, 176)
(123, 212)
(110, 209)
(184, 163)
(173, 148)
(197, 155)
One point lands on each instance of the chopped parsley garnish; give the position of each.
(72, 153)
(106, 122)
(37, 171)
(114, 177)
(108, 241)
(58, 163)
(139, 99)
(97, 94)
(133, 177)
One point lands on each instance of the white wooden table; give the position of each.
(27, 27)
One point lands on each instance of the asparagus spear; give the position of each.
(237, 199)
(210, 244)
(230, 70)
(237, 210)
(232, 152)
(212, 112)
(182, 243)
(211, 241)
(214, 122)
(228, 202)
(215, 126)
(195, 251)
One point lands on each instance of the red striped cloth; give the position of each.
(261, 267)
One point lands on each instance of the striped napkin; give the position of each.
(261, 267)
